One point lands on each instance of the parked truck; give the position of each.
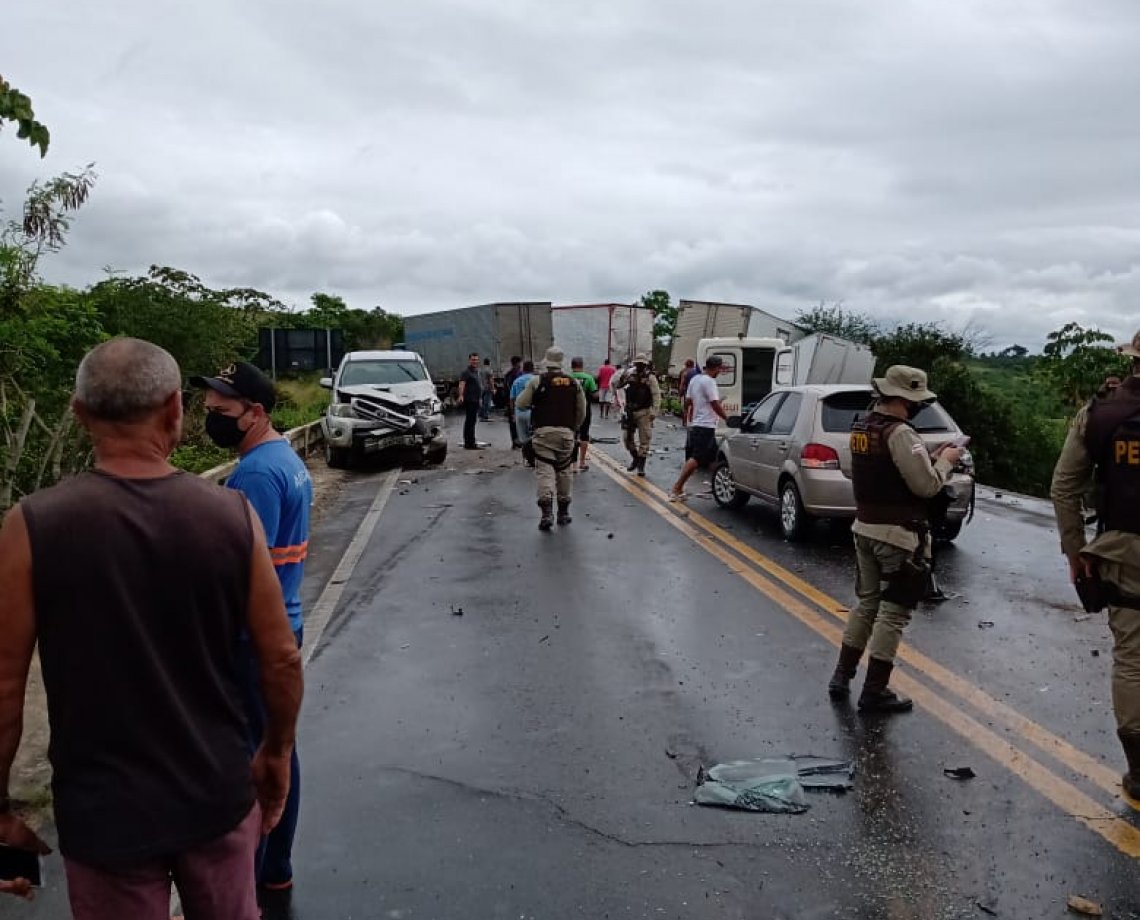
(494, 330)
(701, 319)
(596, 332)
(753, 367)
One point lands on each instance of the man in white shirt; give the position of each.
(702, 408)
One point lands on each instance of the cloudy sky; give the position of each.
(964, 161)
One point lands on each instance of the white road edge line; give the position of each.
(318, 619)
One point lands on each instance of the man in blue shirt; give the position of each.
(239, 400)
(522, 416)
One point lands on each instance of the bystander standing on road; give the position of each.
(893, 477)
(1103, 445)
(701, 411)
(558, 408)
(688, 372)
(487, 382)
(605, 390)
(589, 386)
(152, 778)
(509, 379)
(471, 399)
(619, 396)
(239, 400)
(522, 416)
(642, 404)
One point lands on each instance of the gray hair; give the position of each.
(125, 380)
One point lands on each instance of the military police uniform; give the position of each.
(893, 478)
(1104, 445)
(642, 403)
(558, 409)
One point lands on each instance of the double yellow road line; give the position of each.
(824, 615)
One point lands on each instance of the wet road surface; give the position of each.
(534, 757)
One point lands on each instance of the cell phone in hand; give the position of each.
(16, 863)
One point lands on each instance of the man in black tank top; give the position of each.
(137, 580)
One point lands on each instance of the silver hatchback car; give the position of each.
(792, 451)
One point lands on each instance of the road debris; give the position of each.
(775, 786)
(545, 638)
(456, 611)
(960, 772)
(1084, 906)
(985, 908)
(985, 624)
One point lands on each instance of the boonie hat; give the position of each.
(640, 358)
(907, 383)
(553, 357)
(241, 381)
(1132, 349)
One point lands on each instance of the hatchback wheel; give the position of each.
(725, 492)
(794, 521)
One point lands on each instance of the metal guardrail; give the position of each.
(303, 440)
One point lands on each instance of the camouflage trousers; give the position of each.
(554, 451)
(641, 425)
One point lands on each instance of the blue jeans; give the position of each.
(488, 405)
(273, 864)
(522, 422)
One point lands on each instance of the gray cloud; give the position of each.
(958, 162)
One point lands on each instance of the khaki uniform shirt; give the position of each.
(526, 399)
(923, 477)
(1072, 479)
(654, 390)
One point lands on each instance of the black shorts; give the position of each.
(700, 445)
(584, 431)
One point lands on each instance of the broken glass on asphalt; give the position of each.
(771, 785)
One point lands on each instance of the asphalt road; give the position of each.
(501, 723)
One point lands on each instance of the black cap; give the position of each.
(241, 381)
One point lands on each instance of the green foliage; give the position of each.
(664, 315)
(917, 345)
(363, 329)
(835, 320)
(1076, 361)
(16, 107)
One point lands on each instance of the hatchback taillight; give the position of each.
(819, 457)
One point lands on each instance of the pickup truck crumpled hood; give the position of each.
(399, 394)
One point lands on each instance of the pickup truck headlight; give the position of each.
(428, 407)
(341, 410)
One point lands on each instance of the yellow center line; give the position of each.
(1071, 756)
(1061, 793)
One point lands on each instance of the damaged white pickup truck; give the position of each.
(382, 401)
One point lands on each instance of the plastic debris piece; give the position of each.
(773, 785)
(457, 611)
(960, 773)
(986, 624)
(985, 908)
(1079, 905)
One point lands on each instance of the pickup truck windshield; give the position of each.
(842, 410)
(358, 373)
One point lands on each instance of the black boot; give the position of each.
(564, 513)
(547, 520)
(840, 686)
(633, 464)
(641, 467)
(1130, 741)
(876, 697)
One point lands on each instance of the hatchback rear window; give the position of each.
(842, 410)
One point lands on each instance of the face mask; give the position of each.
(223, 430)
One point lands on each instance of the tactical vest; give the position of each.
(1112, 438)
(881, 494)
(638, 395)
(555, 402)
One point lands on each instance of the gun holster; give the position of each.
(907, 586)
(1096, 594)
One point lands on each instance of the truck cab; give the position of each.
(748, 372)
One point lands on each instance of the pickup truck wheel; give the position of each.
(338, 458)
(436, 456)
(794, 521)
(725, 492)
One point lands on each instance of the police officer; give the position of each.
(1104, 444)
(642, 403)
(558, 409)
(893, 476)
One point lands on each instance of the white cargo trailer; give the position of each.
(702, 319)
(597, 331)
